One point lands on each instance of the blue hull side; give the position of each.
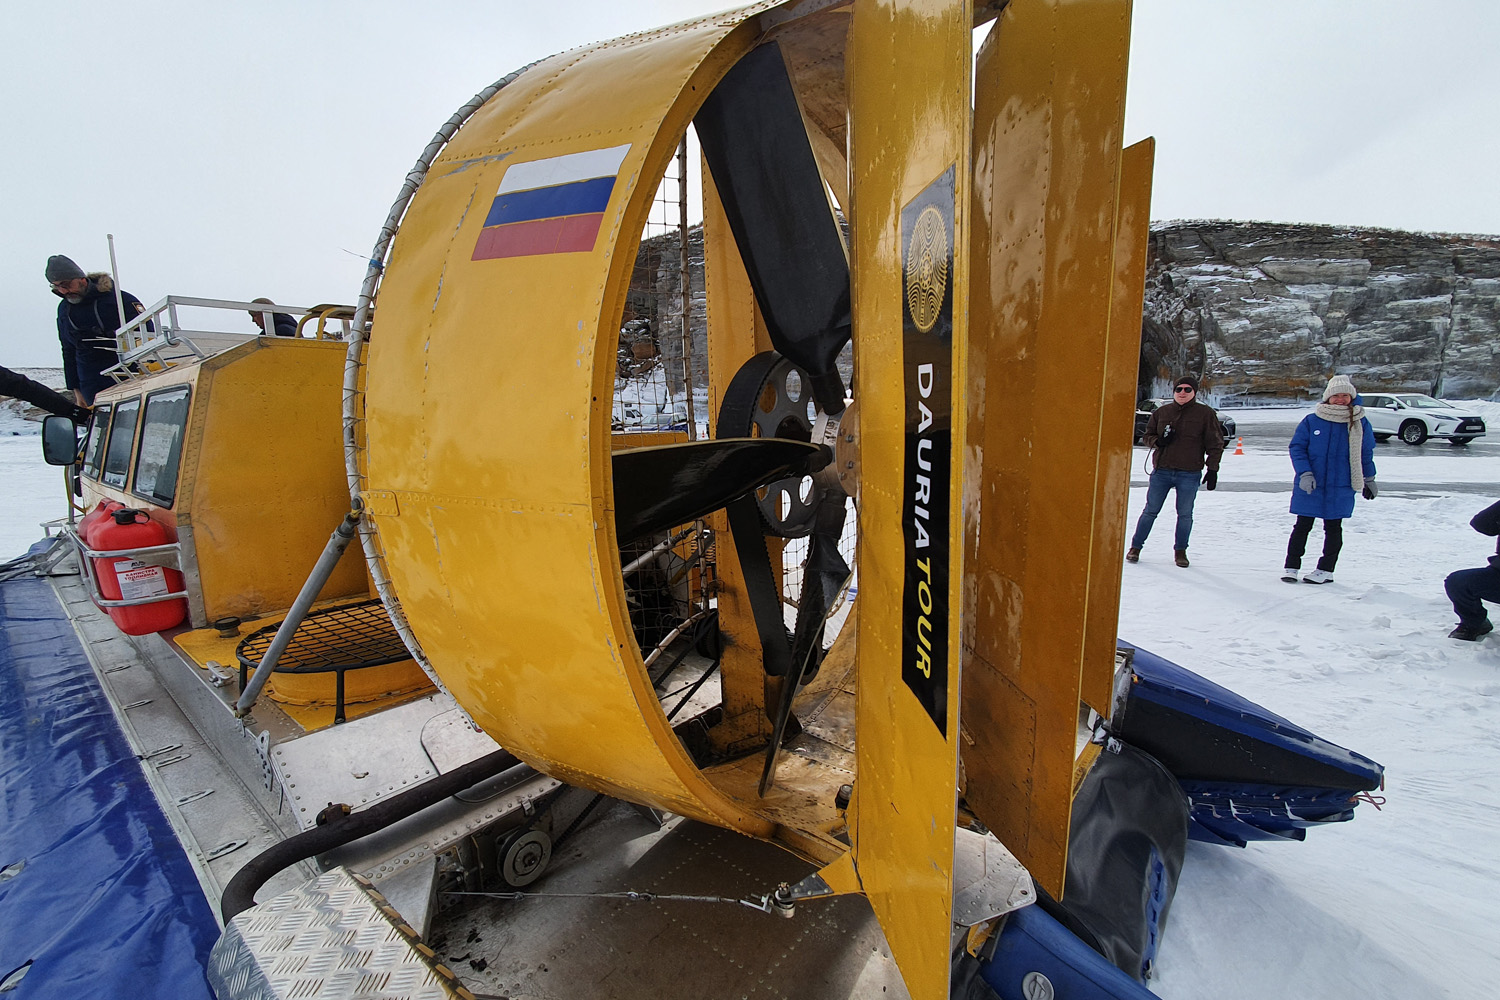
(100, 898)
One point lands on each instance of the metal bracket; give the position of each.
(987, 879)
(229, 847)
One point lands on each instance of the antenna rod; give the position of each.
(114, 272)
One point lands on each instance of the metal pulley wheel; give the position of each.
(524, 858)
(785, 408)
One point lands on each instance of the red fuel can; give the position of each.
(88, 522)
(126, 577)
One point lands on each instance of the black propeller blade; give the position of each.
(824, 577)
(756, 146)
(661, 487)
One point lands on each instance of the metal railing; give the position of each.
(158, 338)
(90, 572)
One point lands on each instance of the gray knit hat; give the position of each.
(1338, 384)
(60, 268)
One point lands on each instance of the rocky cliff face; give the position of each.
(651, 335)
(1271, 311)
(1260, 310)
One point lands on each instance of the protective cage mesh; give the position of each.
(343, 638)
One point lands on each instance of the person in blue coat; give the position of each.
(1332, 458)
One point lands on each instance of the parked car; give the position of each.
(1415, 417)
(1146, 407)
(625, 418)
(672, 417)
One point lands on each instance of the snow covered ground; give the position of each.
(32, 491)
(1398, 903)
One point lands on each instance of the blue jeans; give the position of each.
(1162, 481)
(1467, 588)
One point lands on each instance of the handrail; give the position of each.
(86, 557)
(324, 313)
(169, 341)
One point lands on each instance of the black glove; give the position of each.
(1211, 478)
(1369, 490)
(1164, 436)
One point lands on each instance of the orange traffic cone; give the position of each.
(1239, 446)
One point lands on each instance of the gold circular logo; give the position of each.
(927, 268)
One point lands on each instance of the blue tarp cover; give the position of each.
(107, 904)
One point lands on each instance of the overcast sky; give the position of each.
(254, 149)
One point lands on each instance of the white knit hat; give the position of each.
(1338, 384)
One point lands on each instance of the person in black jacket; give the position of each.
(1468, 588)
(1184, 435)
(87, 320)
(16, 385)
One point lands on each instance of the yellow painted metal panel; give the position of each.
(387, 681)
(645, 439)
(1117, 423)
(503, 553)
(1050, 88)
(264, 475)
(909, 73)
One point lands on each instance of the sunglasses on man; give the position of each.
(1183, 388)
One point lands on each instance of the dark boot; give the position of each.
(1133, 555)
(1471, 633)
(1182, 558)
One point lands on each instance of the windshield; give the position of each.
(1419, 402)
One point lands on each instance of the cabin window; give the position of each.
(161, 445)
(93, 450)
(121, 439)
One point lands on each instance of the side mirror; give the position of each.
(59, 441)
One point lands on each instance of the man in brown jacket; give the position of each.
(1184, 434)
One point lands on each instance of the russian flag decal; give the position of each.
(549, 206)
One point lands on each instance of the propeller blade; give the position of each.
(661, 487)
(824, 576)
(752, 136)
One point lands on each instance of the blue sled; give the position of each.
(1248, 773)
(1182, 758)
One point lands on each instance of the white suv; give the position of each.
(1415, 418)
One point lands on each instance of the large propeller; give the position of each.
(756, 147)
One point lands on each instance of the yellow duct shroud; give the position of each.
(489, 396)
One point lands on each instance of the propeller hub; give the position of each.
(840, 434)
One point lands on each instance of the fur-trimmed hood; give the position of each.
(100, 283)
